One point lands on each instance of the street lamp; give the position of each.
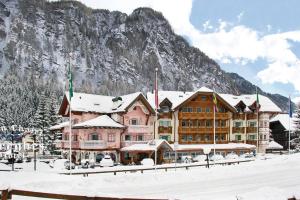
(206, 151)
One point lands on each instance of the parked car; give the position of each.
(199, 158)
(232, 156)
(147, 162)
(216, 157)
(106, 161)
(86, 163)
(61, 164)
(186, 159)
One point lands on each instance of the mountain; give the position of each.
(109, 52)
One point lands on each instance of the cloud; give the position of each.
(227, 43)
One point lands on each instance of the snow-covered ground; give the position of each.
(276, 177)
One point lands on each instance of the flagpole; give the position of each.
(214, 107)
(257, 107)
(290, 113)
(156, 108)
(70, 115)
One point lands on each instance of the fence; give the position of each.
(145, 168)
(9, 193)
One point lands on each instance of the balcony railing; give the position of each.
(202, 115)
(182, 129)
(251, 129)
(139, 129)
(238, 129)
(163, 129)
(93, 144)
(129, 143)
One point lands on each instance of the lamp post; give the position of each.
(34, 152)
(206, 151)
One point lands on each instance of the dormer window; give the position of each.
(134, 122)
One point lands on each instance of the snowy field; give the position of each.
(270, 177)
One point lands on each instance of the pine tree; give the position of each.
(297, 120)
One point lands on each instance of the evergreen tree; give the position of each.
(297, 120)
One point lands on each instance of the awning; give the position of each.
(153, 145)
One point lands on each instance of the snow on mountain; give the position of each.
(111, 53)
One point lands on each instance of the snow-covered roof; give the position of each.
(189, 147)
(274, 145)
(284, 120)
(150, 146)
(266, 105)
(178, 97)
(101, 121)
(59, 126)
(83, 102)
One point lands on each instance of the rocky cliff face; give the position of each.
(111, 53)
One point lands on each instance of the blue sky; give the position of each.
(259, 40)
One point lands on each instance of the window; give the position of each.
(184, 123)
(238, 137)
(222, 137)
(140, 138)
(203, 98)
(127, 137)
(265, 137)
(184, 138)
(75, 138)
(165, 137)
(206, 138)
(251, 123)
(187, 109)
(94, 136)
(207, 109)
(252, 137)
(238, 124)
(217, 123)
(201, 123)
(111, 137)
(134, 122)
(266, 124)
(190, 123)
(223, 123)
(208, 123)
(217, 137)
(198, 137)
(199, 109)
(190, 138)
(164, 123)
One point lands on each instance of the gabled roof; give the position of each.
(178, 97)
(266, 105)
(82, 102)
(102, 121)
(150, 146)
(284, 120)
(274, 145)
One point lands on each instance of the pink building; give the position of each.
(104, 124)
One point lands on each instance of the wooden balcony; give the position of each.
(251, 116)
(202, 115)
(202, 129)
(165, 115)
(238, 129)
(163, 129)
(253, 142)
(251, 129)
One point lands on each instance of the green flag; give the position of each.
(70, 83)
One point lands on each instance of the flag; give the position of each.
(290, 107)
(215, 102)
(257, 101)
(70, 83)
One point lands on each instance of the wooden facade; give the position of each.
(196, 120)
